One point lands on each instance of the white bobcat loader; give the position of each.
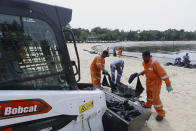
(38, 88)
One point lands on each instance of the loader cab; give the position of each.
(33, 51)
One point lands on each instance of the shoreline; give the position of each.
(163, 56)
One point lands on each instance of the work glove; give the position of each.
(138, 74)
(169, 88)
(105, 71)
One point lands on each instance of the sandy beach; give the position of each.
(180, 105)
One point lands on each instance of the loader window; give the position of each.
(28, 52)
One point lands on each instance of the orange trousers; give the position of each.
(153, 96)
(96, 78)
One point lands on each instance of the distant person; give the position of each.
(186, 60)
(108, 49)
(177, 61)
(25, 54)
(98, 65)
(154, 75)
(114, 52)
(120, 52)
(186, 56)
(117, 65)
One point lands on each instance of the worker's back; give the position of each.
(117, 62)
(186, 57)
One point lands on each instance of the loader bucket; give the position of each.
(113, 122)
(139, 122)
(123, 114)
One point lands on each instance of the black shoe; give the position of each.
(159, 118)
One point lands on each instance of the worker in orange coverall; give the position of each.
(25, 54)
(97, 66)
(119, 52)
(154, 75)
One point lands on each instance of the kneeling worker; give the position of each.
(154, 75)
(96, 67)
(117, 65)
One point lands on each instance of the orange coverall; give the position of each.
(97, 66)
(25, 55)
(154, 76)
(119, 52)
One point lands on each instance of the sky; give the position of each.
(131, 14)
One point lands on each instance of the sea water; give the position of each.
(165, 51)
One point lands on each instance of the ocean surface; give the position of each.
(165, 51)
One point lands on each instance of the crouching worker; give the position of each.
(117, 65)
(154, 75)
(177, 61)
(96, 67)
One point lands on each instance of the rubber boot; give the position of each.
(159, 118)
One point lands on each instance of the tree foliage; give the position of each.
(104, 34)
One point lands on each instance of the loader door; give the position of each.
(30, 57)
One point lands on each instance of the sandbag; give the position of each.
(105, 81)
(122, 89)
(139, 88)
(132, 77)
(125, 91)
